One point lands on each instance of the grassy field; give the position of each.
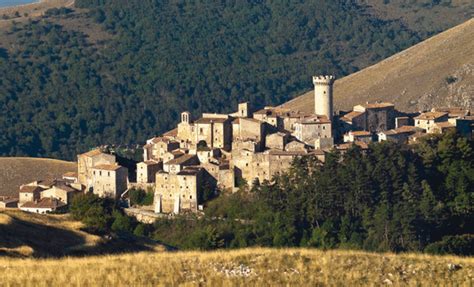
(248, 267)
(15, 171)
(414, 79)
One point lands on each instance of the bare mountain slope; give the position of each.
(435, 72)
(15, 171)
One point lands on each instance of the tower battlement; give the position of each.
(323, 80)
(323, 95)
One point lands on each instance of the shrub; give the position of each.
(457, 244)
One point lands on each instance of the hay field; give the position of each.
(15, 171)
(247, 267)
(414, 79)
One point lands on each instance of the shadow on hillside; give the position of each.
(47, 241)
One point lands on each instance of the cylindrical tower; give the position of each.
(323, 95)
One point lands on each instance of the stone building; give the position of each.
(29, 193)
(363, 136)
(247, 128)
(178, 192)
(323, 98)
(109, 180)
(372, 117)
(156, 148)
(178, 164)
(428, 120)
(61, 192)
(277, 140)
(400, 135)
(43, 205)
(215, 130)
(311, 128)
(87, 161)
(147, 170)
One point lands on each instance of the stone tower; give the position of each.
(323, 95)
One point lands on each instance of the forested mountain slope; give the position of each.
(65, 88)
(437, 72)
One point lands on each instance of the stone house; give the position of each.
(376, 117)
(43, 205)
(177, 192)
(61, 192)
(8, 202)
(428, 120)
(109, 180)
(206, 154)
(156, 148)
(87, 161)
(277, 140)
(311, 128)
(178, 164)
(29, 193)
(247, 128)
(363, 136)
(295, 146)
(215, 130)
(400, 135)
(146, 170)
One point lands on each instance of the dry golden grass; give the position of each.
(43, 236)
(252, 267)
(413, 79)
(31, 235)
(15, 171)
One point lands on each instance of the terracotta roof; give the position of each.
(445, 125)
(345, 146)
(377, 105)
(453, 111)
(177, 152)
(316, 119)
(351, 115)
(286, 153)
(210, 120)
(161, 139)
(279, 134)
(237, 120)
(318, 152)
(181, 159)
(70, 174)
(281, 112)
(44, 203)
(92, 153)
(150, 162)
(8, 200)
(111, 167)
(171, 133)
(360, 133)
(403, 130)
(431, 115)
(30, 189)
(189, 172)
(66, 188)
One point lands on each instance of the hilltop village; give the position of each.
(225, 151)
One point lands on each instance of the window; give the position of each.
(100, 173)
(200, 131)
(190, 197)
(108, 173)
